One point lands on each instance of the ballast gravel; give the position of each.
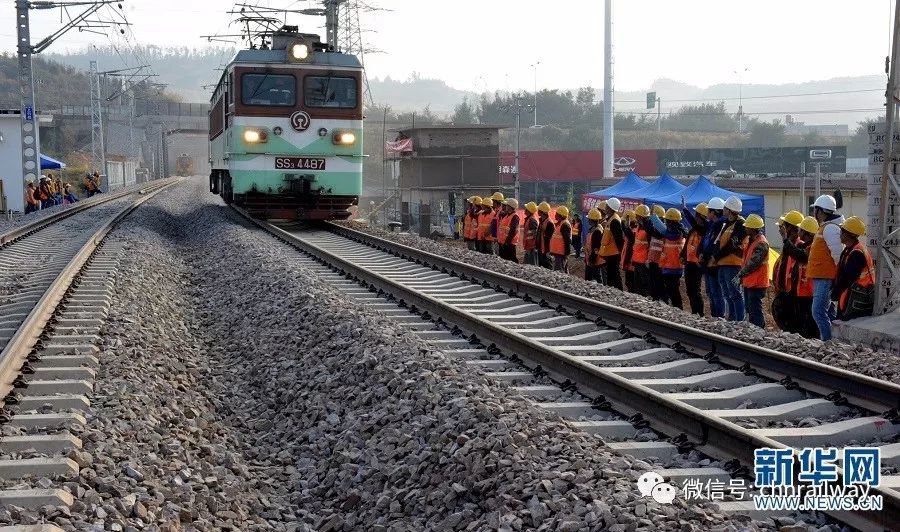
(238, 391)
(858, 358)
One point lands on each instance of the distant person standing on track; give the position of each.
(729, 257)
(854, 286)
(545, 233)
(693, 267)
(641, 250)
(485, 241)
(670, 265)
(530, 234)
(628, 246)
(497, 199)
(592, 259)
(508, 230)
(576, 234)
(754, 273)
(715, 219)
(613, 242)
(561, 240)
(824, 254)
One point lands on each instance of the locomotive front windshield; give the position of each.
(330, 91)
(268, 90)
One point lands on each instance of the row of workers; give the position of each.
(718, 248)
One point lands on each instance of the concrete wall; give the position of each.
(11, 161)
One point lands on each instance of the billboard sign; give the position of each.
(752, 160)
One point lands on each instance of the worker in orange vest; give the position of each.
(693, 267)
(785, 272)
(657, 289)
(613, 242)
(729, 257)
(470, 222)
(715, 219)
(561, 240)
(593, 261)
(576, 233)
(754, 272)
(31, 201)
(530, 234)
(854, 286)
(671, 267)
(824, 254)
(545, 233)
(485, 217)
(641, 250)
(804, 286)
(497, 199)
(508, 230)
(625, 263)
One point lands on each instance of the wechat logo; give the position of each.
(652, 484)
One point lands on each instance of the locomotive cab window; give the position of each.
(268, 89)
(330, 91)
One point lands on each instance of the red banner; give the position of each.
(399, 146)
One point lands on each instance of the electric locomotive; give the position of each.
(286, 130)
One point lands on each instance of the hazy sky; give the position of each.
(490, 44)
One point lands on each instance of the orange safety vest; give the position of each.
(557, 244)
(782, 280)
(821, 264)
(542, 230)
(693, 245)
(731, 259)
(608, 246)
(626, 266)
(472, 226)
(599, 251)
(484, 226)
(503, 226)
(758, 278)
(576, 228)
(670, 256)
(29, 196)
(641, 247)
(655, 251)
(804, 283)
(530, 233)
(866, 276)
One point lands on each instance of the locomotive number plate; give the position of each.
(299, 163)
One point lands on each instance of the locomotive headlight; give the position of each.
(299, 51)
(255, 136)
(344, 137)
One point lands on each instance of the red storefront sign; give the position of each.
(575, 165)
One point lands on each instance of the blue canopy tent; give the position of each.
(662, 187)
(703, 189)
(629, 183)
(49, 163)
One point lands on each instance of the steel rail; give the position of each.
(861, 390)
(19, 232)
(20, 345)
(716, 436)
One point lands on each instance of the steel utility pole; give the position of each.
(98, 154)
(887, 255)
(31, 149)
(517, 105)
(608, 108)
(535, 65)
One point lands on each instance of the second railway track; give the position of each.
(723, 397)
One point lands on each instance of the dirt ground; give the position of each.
(576, 269)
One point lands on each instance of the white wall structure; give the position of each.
(11, 160)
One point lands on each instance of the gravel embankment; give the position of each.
(237, 391)
(854, 357)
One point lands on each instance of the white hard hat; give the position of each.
(614, 204)
(716, 203)
(825, 202)
(734, 204)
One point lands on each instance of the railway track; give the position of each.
(56, 289)
(700, 391)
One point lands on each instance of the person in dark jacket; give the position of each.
(670, 259)
(593, 262)
(576, 234)
(855, 270)
(560, 243)
(729, 257)
(627, 249)
(613, 243)
(508, 230)
(545, 233)
(715, 220)
(693, 267)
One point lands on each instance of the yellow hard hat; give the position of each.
(629, 214)
(794, 218)
(563, 211)
(754, 221)
(594, 215)
(512, 202)
(642, 210)
(810, 225)
(544, 207)
(673, 215)
(475, 200)
(659, 211)
(531, 207)
(487, 202)
(854, 225)
(497, 196)
(701, 209)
